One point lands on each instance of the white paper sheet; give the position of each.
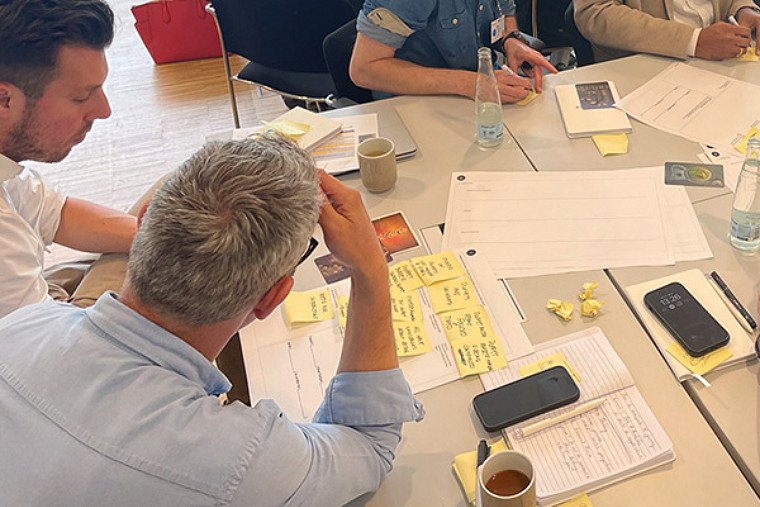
(338, 154)
(540, 223)
(696, 104)
(294, 364)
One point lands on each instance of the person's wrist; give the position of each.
(747, 11)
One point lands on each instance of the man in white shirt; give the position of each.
(676, 28)
(52, 69)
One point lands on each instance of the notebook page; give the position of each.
(611, 442)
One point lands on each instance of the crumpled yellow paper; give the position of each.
(611, 144)
(288, 128)
(590, 306)
(561, 308)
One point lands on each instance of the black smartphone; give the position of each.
(687, 320)
(525, 398)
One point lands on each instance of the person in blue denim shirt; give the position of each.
(118, 403)
(430, 47)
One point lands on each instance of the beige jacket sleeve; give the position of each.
(621, 27)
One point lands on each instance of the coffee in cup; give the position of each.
(506, 479)
(377, 164)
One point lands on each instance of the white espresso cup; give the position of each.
(515, 481)
(377, 164)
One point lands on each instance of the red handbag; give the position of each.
(177, 30)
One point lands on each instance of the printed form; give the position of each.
(696, 104)
(293, 363)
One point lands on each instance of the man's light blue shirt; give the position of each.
(446, 33)
(103, 407)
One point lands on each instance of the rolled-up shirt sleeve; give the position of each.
(347, 451)
(390, 22)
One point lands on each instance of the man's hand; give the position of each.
(721, 41)
(348, 231)
(751, 19)
(518, 53)
(512, 88)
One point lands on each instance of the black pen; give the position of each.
(744, 318)
(483, 452)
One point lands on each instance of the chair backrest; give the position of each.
(549, 24)
(337, 48)
(584, 53)
(278, 34)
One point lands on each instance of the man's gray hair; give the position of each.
(220, 232)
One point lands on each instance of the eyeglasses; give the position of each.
(309, 250)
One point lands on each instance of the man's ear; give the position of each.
(273, 297)
(12, 101)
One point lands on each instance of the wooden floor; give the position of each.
(161, 114)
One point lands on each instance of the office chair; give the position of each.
(337, 48)
(283, 41)
(584, 53)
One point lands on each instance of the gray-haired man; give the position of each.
(117, 402)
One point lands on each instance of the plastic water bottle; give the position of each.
(745, 214)
(489, 117)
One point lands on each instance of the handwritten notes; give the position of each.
(452, 295)
(699, 365)
(470, 324)
(309, 306)
(411, 339)
(547, 362)
(406, 307)
(438, 267)
(342, 310)
(404, 278)
(478, 356)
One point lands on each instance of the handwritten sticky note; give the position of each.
(561, 308)
(342, 310)
(469, 324)
(411, 339)
(452, 295)
(528, 99)
(474, 357)
(288, 128)
(611, 144)
(308, 306)
(741, 146)
(747, 55)
(406, 306)
(581, 500)
(465, 465)
(404, 278)
(547, 362)
(699, 365)
(438, 267)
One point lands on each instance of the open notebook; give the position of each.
(616, 440)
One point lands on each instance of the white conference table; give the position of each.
(539, 130)
(702, 474)
(731, 405)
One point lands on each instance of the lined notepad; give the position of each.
(618, 439)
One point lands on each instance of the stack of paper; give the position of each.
(529, 224)
(616, 440)
(306, 128)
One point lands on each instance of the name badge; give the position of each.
(497, 29)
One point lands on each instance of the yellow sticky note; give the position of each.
(590, 307)
(581, 500)
(469, 324)
(288, 128)
(481, 356)
(309, 306)
(404, 278)
(611, 144)
(342, 310)
(411, 339)
(747, 55)
(547, 362)
(561, 308)
(438, 267)
(452, 295)
(699, 365)
(406, 306)
(528, 99)
(465, 465)
(588, 290)
(741, 146)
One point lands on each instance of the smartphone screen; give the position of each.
(687, 320)
(525, 398)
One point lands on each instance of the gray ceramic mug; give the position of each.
(377, 164)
